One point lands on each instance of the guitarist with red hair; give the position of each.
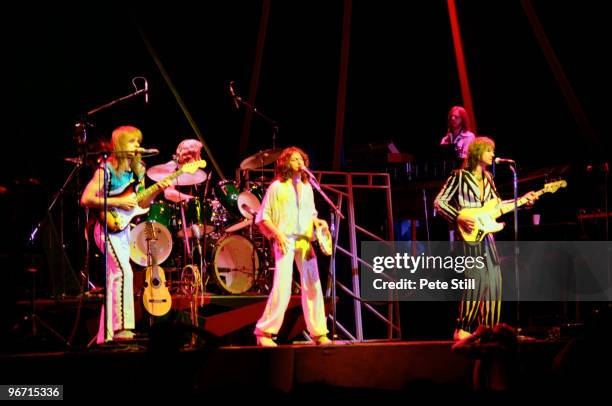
(125, 171)
(471, 187)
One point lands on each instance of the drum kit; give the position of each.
(217, 230)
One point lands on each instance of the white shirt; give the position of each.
(461, 141)
(280, 206)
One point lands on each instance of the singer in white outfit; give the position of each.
(288, 216)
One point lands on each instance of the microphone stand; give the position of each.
(111, 103)
(315, 184)
(253, 109)
(105, 156)
(105, 190)
(516, 248)
(333, 231)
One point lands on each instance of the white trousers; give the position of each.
(312, 296)
(119, 284)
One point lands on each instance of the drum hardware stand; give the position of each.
(35, 320)
(186, 248)
(196, 233)
(203, 263)
(81, 138)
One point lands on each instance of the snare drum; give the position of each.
(235, 264)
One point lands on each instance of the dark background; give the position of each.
(60, 62)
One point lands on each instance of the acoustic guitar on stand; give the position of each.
(485, 217)
(156, 297)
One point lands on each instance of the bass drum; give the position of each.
(138, 243)
(235, 263)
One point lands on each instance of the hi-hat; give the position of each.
(260, 159)
(159, 172)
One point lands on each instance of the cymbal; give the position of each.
(262, 158)
(159, 172)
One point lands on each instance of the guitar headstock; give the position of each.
(191, 167)
(149, 231)
(552, 187)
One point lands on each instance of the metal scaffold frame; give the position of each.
(343, 185)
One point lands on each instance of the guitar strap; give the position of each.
(491, 183)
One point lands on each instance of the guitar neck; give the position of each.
(153, 252)
(508, 207)
(148, 192)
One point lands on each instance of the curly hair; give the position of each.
(283, 166)
(475, 150)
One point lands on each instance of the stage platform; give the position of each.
(376, 369)
(218, 358)
(226, 319)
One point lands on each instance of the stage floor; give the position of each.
(347, 369)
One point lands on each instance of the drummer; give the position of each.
(187, 151)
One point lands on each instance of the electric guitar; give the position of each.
(156, 296)
(484, 217)
(118, 218)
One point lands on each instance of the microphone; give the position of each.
(234, 97)
(151, 151)
(504, 161)
(248, 209)
(146, 89)
(307, 172)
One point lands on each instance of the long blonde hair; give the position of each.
(119, 140)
